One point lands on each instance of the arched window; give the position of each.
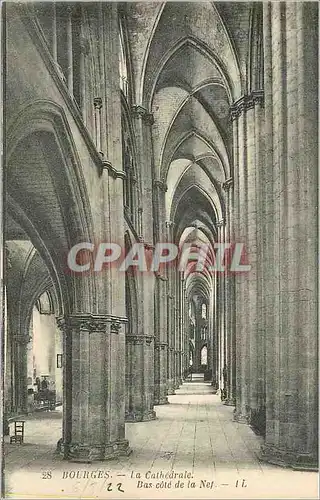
(123, 66)
(204, 355)
(204, 311)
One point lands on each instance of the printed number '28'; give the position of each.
(46, 474)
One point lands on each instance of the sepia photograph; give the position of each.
(159, 250)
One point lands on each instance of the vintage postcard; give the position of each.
(159, 331)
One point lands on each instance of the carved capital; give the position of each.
(160, 346)
(90, 323)
(84, 45)
(22, 339)
(139, 339)
(115, 326)
(148, 246)
(160, 276)
(228, 184)
(83, 323)
(162, 186)
(246, 102)
(143, 114)
(221, 223)
(97, 102)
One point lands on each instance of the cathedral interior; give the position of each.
(144, 122)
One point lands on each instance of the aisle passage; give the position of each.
(193, 435)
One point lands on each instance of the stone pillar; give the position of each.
(291, 80)
(160, 382)
(139, 355)
(246, 113)
(240, 178)
(221, 314)
(170, 321)
(20, 377)
(161, 309)
(94, 396)
(142, 121)
(178, 380)
(230, 388)
(186, 331)
(254, 117)
(8, 371)
(176, 329)
(139, 365)
(171, 367)
(161, 342)
(58, 370)
(181, 327)
(69, 50)
(215, 337)
(211, 329)
(54, 47)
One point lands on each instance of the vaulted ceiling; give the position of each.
(190, 61)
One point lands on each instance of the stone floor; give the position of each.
(193, 438)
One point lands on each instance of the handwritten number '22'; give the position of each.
(119, 485)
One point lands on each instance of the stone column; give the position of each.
(69, 50)
(161, 361)
(215, 337)
(58, 370)
(230, 303)
(20, 377)
(139, 355)
(211, 329)
(161, 310)
(186, 330)
(139, 364)
(142, 121)
(54, 48)
(254, 107)
(94, 397)
(181, 327)
(161, 342)
(171, 367)
(170, 321)
(246, 113)
(241, 223)
(221, 314)
(290, 40)
(175, 328)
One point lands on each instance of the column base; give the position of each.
(85, 453)
(285, 458)
(171, 388)
(229, 402)
(241, 418)
(161, 401)
(140, 416)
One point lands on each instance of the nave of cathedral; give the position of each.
(194, 442)
(186, 124)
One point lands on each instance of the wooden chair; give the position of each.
(18, 435)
